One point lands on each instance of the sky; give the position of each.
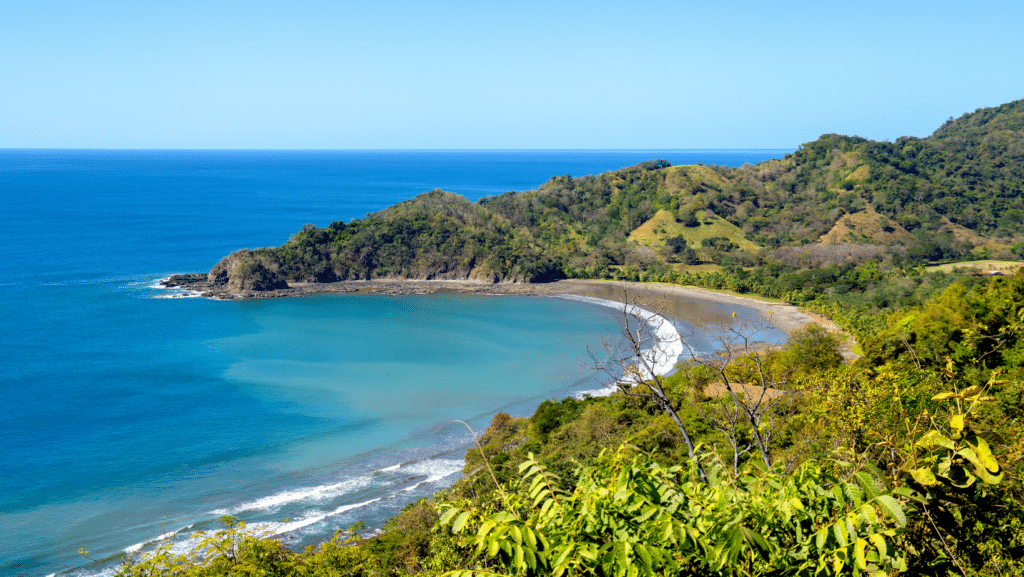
(341, 74)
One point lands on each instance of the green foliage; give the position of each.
(631, 516)
(866, 475)
(978, 327)
(957, 457)
(811, 350)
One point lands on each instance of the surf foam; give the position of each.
(661, 356)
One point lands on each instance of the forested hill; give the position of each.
(956, 194)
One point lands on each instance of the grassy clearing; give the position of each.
(859, 174)
(663, 225)
(865, 226)
(980, 266)
(709, 267)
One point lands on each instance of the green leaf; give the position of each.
(892, 508)
(838, 491)
(754, 538)
(867, 483)
(869, 514)
(492, 547)
(447, 516)
(980, 469)
(879, 542)
(971, 391)
(984, 453)
(934, 439)
(840, 532)
(531, 559)
(485, 528)
(924, 476)
(529, 537)
(992, 436)
(644, 555)
(956, 422)
(460, 521)
(858, 554)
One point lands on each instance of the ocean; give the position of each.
(128, 415)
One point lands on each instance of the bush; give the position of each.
(811, 350)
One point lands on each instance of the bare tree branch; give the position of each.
(650, 348)
(743, 390)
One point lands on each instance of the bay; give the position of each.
(127, 416)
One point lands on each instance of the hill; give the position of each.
(955, 195)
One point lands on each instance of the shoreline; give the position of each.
(782, 315)
(660, 298)
(698, 306)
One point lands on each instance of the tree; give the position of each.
(737, 392)
(650, 347)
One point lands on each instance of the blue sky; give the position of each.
(408, 75)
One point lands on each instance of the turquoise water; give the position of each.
(127, 416)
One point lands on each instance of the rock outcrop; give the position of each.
(244, 271)
(255, 276)
(221, 272)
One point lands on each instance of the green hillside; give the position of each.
(955, 195)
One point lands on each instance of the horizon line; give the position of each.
(740, 149)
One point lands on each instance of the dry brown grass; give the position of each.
(815, 255)
(750, 392)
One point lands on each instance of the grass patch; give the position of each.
(663, 226)
(980, 266)
(708, 267)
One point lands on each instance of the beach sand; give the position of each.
(693, 304)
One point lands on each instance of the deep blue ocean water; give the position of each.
(126, 416)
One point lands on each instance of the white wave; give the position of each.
(174, 292)
(349, 507)
(186, 543)
(159, 283)
(164, 537)
(184, 294)
(316, 494)
(271, 529)
(435, 469)
(602, 392)
(658, 359)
